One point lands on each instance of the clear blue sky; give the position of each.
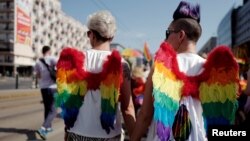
(146, 20)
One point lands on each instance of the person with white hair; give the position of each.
(94, 86)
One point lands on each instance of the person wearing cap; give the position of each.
(101, 86)
(180, 88)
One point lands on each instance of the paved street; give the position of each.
(21, 116)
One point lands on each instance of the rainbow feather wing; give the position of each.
(70, 85)
(167, 90)
(219, 87)
(109, 88)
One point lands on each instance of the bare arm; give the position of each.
(146, 114)
(127, 106)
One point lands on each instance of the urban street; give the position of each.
(175, 69)
(21, 116)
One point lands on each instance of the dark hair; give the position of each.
(99, 37)
(191, 27)
(187, 17)
(45, 49)
(187, 10)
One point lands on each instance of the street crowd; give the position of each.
(177, 96)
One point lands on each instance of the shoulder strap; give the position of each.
(43, 61)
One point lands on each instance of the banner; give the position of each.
(23, 22)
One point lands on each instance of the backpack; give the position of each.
(51, 70)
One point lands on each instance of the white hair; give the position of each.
(103, 22)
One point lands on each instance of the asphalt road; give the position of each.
(20, 118)
(21, 114)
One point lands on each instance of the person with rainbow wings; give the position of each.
(186, 94)
(94, 86)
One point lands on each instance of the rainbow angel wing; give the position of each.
(219, 87)
(109, 87)
(70, 85)
(167, 91)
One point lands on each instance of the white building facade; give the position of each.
(27, 25)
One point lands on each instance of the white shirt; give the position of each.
(191, 65)
(45, 80)
(88, 120)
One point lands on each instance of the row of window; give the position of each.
(6, 58)
(7, 5)
(244, 11)
(7, 37)
(6, 26)
(244, 36)
(7, 16)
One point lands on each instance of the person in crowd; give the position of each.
(94, 86)
(241, 114)
(137, 86)
(246, 77)
(181, 84)
(244, 103)
(48, 89)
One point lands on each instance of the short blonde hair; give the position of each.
(103, 22)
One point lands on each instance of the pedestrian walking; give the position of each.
(94, 86)
(185, 94)
(47, 84)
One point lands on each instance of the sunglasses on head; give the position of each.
(169, 31)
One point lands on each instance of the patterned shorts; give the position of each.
(75, 137)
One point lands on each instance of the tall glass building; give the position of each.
(224, 31)
(241, 46)
(234, 30)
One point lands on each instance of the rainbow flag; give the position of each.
(146, 52)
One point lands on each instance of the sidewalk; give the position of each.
(15, 93)
(2, 79)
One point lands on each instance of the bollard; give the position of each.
(16, 81)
